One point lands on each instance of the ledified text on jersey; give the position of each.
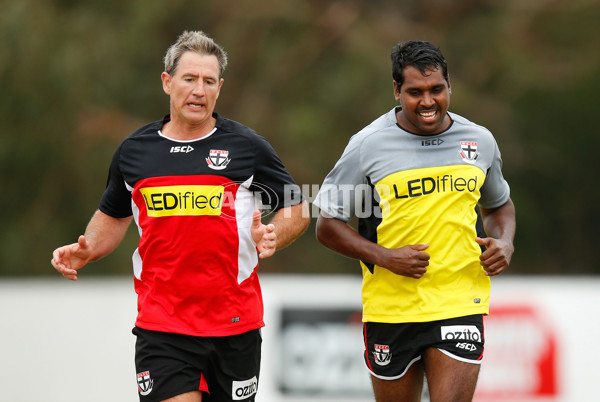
(428, 185)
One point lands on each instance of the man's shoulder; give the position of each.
(235, 127)
(147, 129)
(378, 125)
(141, 134)
(228, 127)
(462, 123)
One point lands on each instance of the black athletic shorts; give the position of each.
(224, 368)
(390, 349)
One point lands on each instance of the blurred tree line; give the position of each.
(78, 76)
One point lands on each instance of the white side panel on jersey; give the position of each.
(137, 264)
(136, 258)
(245, 204)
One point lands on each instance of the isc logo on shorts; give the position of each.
(461, 332)
(244, 389)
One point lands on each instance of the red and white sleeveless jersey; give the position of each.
(193, 201)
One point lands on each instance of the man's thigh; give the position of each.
(407, 388)
(179, 366)
(395, 355)
(235, 368)
(194, 396)
(449, 379)
(452, 362)
(167, 364)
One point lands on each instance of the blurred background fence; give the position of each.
(71, 341)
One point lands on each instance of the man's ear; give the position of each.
(396, 91)
(221, 81)
(166, 81)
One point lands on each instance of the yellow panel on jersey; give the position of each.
(188, 200)
(434, 206)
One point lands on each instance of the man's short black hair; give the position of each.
(420, 54)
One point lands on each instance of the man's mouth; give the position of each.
(428, 115)
(195, 105)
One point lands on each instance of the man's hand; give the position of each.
(410, 261)
(496, 258)
(264, 236)
(68, 259)
(500, 225)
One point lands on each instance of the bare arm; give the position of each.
(500, 225)
(285, 227)
(410, 260)
(102, 235)
(290, 223)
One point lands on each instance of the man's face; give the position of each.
(425, 100)
(193, 88)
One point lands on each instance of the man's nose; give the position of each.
(427, 100)
(198, 89)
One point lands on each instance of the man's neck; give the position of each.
(185, 131)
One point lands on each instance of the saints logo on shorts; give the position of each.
(382, 354)
(144, 382)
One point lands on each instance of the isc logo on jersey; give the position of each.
(184, 149)
(191, 200)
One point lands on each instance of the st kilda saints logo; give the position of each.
(382, 354)
(218, 159)
(145, 383)
(468, 151)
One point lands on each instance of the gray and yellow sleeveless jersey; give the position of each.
(418, 189)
